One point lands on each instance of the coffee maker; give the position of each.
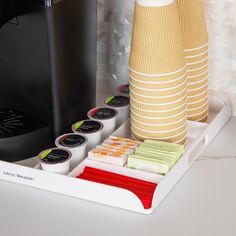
(47, 72)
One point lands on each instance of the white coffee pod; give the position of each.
(122, 104)
(76, 144)
(91, 129)
(107, 116)
(55, 160)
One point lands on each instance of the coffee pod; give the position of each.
(55, 160)
(76, 144)
(91, 129)
(122, 104)
(123, 89)
(107, 116)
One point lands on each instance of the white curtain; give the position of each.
(114, 34)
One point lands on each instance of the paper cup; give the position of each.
(76, 144)
(158, 113)
(55, 160)
(159, 119)
(200, 117)
(155, 122)
(160, 128)
(158, 107)
(107, 116)
(158, 92)
(196, 56)
(193, 24)
(122, 104)
(158, 84)
(177, 137)
(156, 45)
(91, 129)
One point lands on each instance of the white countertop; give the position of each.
(203, 203)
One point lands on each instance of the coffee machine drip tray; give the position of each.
(20, 133)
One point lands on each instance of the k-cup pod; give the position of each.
(122, 104)
(76, 144)
(123, 89)
(55, 160)
(107, 116)
(91, 129)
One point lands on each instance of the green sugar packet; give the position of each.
(165, 145)
(156, 158)
(157, 167)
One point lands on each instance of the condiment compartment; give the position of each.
(199, 136)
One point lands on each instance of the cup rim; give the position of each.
(112, 108)
(64, 147)
(55, 148)
(118, 108)
(97, 131)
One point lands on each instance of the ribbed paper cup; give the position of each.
(156, 112)
(198, 79)
(158, 92)
(166, 128)
(200, 117)
(197, 57)
(193, 52)
(180, 135)
(192, 19)
(164, 120)
(154, 122)
(198, 90)
(158, 85)
(159, 77)
(197, 64)
(157, 45)
(157, 106)
(196, 73)
(158, 99)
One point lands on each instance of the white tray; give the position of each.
(199, 136)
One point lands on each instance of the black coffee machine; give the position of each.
(47, 71)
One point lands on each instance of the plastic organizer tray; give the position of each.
(199, 136)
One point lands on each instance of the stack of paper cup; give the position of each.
(157, 73)
(192, 18)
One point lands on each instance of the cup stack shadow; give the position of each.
(192, 20)
(157, 72)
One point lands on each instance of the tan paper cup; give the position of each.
(196, 57)
(197, 99)
(193, 24)
(170, 132)
(158, 77)
(195, 81)
(198, 72)
(158, 107)
(197, 64)
(156, 45)
(196, 51)
(159, 123)
(160, 120)
(201, 117)
(158, 113)
(158, 127)
(198, 105)
(197, 67)
(158, 99)
(168, 138)
(158, 85)
(197, 91)
(158, 92)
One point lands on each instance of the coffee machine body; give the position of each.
(47, 73)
